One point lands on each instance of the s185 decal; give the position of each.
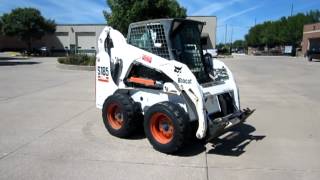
(103, 73)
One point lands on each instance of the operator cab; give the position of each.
(178, 39)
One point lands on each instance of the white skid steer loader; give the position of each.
(160, 78)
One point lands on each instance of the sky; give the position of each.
(237, 15)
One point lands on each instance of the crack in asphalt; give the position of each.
(207, 169)
(266, 169)
(121, 162)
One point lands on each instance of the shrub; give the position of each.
(78, 59)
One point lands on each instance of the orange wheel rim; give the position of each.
(115, 116)
(161, 127)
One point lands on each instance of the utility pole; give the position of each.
(231, 39)
(231, 34)
(225, 35)
(255, 21)
(292, 45)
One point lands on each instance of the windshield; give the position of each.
(187, 49)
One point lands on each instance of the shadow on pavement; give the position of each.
(234, 143)
(12, 58)
(192, 149)
(138, 135)
(14, 63)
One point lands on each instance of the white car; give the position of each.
(210, 52)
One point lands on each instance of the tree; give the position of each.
(285, 31)
(239, 44)
(223, 48)
(0, 25)
(26, 24)
(314, 16)
(124, 12)
(253, 38)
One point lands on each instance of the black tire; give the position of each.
(177, 126)
(208, 55)
(121, 122)
(309, 58)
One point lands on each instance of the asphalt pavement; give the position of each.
(51, 129)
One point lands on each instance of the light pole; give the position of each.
(231, 39)
(225, 35)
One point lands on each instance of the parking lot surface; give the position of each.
(50, 128)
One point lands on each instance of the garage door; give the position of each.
(314, 44)
(62, 40)
(86, 41)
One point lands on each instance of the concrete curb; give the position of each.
(75, 67)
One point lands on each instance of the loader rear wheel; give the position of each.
(118, 115)
(166, 125)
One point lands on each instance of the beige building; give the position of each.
(75, 37)
(68, 37)
(208, 36)
(83, 38)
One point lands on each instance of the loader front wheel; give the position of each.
(118, 115)
(166, 126)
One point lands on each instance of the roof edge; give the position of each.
(82, 24)
(312, 23)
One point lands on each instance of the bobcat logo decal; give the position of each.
(177, 69)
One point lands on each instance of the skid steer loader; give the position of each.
(160, 78)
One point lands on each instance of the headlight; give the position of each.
(220, 74)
